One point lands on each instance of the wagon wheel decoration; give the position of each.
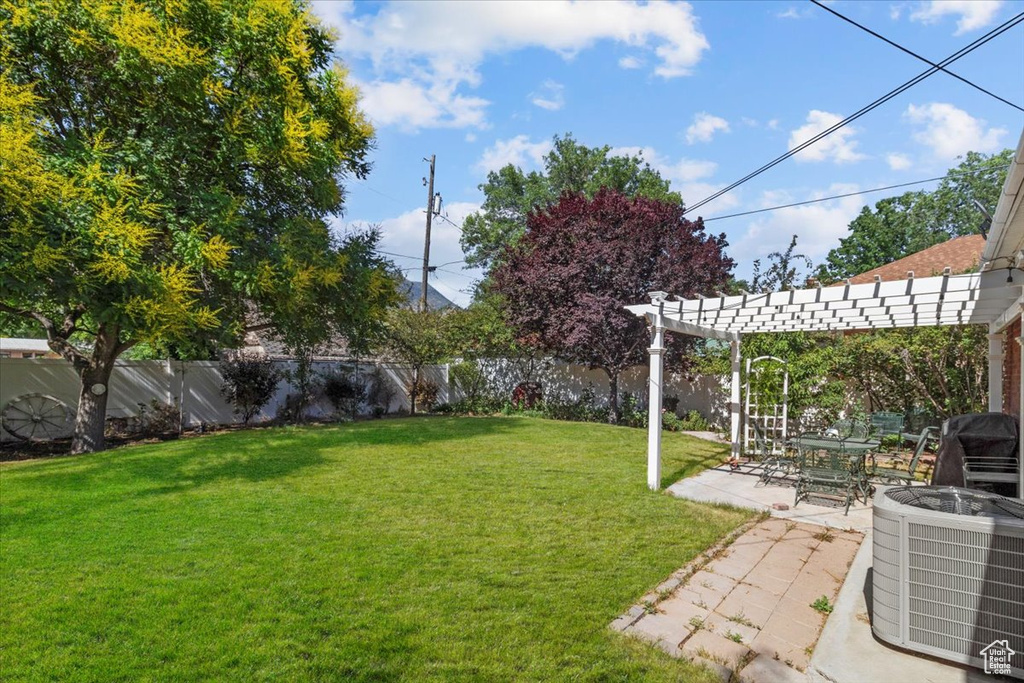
(36, 417)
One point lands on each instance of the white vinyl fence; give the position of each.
(707, 394)
(194, 386)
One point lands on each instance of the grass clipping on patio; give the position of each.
(412, 549)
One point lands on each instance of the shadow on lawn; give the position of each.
(258, 455)
(253, 455)
(701, 456)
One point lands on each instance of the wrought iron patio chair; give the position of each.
(827, 471)
(772, 464)
(882, 424)
(896, 477)
(848, 428)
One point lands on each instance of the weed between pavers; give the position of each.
(734, 637)
(697, 623)
(823, 605)
(825, 536)
(743, 621)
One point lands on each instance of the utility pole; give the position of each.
(426, 242)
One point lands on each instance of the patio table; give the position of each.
(857, 449)
(851, 446)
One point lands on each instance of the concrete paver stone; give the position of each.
(716, 648)
(659, 627)
(724, 626)
(770, 670)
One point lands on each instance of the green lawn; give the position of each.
(428, 548)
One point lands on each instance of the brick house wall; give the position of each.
(1011, 370)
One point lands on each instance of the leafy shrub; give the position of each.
(630, 412)
(470, 379)
(161, 418)
(380, 393)
(344, 393)
(671, 422)
(425, 392)
(583, 409)
(670, 403)
(249, 383)
(694, 422)
(527, 395)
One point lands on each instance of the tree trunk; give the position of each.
(90, 419)
(613, 398)
(414, 390)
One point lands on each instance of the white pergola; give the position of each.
(991, 297)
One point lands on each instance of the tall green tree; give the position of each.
(903, 225)
(510, 194)
(166, 174)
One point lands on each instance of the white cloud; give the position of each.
(688, 178)
(773, 124)
(951, 132)
(631, 62)
(441, 45)
(704, 127)
(551, 96)
(972, 14)
(470, 137)
(697, 191)
(818, 227)
(790, 13)
(839, 146)
(898, 162)
(518, 151)
(684, 170)
(412, 105)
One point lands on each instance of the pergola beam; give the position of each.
(978, 298)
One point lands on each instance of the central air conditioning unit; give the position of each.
(948, 574)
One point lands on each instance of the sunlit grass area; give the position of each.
(410, 549)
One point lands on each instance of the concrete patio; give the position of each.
(743, 488)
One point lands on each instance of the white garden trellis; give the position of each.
(771, 415)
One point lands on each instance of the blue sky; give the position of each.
(708, 90)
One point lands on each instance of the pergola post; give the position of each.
(734, 398)
(996, 340)
(654, 401)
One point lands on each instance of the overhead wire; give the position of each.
(844, 195)
(1016, 19)
(915, 55)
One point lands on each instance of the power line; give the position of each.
(864, 110)
(386, 196)
(843, 196)
(447, 220)
(391, 253)
(456, 273)
(914, 54)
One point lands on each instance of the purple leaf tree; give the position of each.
(582, 260)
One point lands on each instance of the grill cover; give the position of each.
(993, 435)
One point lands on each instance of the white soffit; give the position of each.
(976, 298)
(1006, 235)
